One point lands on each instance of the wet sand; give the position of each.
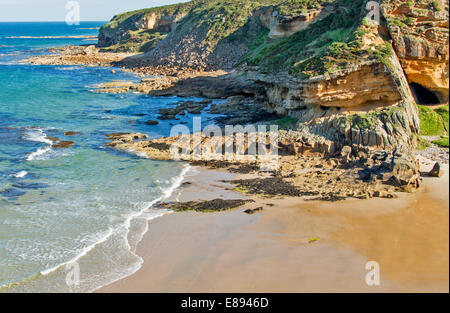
(271, 251)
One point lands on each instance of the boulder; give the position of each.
(346, 151)
(436, 171)
(405, 172)
(152, 122)
(253, 211)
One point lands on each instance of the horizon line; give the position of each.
(86, 21)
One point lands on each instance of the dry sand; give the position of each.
(270, 251)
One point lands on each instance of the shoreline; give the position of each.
(272, 251)
(340, 246)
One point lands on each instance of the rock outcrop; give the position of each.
(356, 171)
(368, 105)
(320, 62)
(143, 29)
(282, 26)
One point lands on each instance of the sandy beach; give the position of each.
(224, 147)
(297, 246)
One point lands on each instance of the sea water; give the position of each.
(82, 209)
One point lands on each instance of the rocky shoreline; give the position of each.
(309, 166)
(352, 172)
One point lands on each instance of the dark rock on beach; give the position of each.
(253, 211)
(436, 171)
(273, 186)
(215, 205)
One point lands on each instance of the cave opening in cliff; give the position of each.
(423, 95)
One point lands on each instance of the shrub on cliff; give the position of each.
(433, 122)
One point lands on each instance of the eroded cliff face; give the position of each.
(365, 85)
(367, 101)
(282, 26)
(368, 105)
(151, 22)
(130, 31)
(419, 30)
(342, 78)
(217, 34)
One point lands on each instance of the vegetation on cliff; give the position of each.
(212, 25)
(324, 46)
(227, 33)
(317, 41)
(128, 20)
(435, 122)
(127, 32)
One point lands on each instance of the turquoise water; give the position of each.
(86, 204)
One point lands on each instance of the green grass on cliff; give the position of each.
(433, 122)
(215, 20)
(127, 20)
(286, 123)
(293, 7)
(134, 39)
(138, 41)
(442, 142)
(326, 46)
(443, 112)
(211, 21)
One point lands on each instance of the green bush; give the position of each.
(410, 21)
(443, 142)
(431, 123)
(436, 6)
(443, 112)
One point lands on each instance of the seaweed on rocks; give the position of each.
(272, 186)
(216, 205)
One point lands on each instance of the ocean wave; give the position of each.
(85, 251)
(43, 153)
(140, 154)
(176, 183)
(144, 214)
(37, 135)
(40, 154)
(20, 174)
(52, 37)
(67, 68)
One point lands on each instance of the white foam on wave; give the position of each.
(140, 154)
(20, 174)
(39, 154)
(38, 135)
(166, 193)
(142, 214)
(176, 183)
(85, 251)
(67, 68)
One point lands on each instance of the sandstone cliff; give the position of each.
(142, 30)
(419, 30)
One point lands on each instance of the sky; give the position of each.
(55, 10)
